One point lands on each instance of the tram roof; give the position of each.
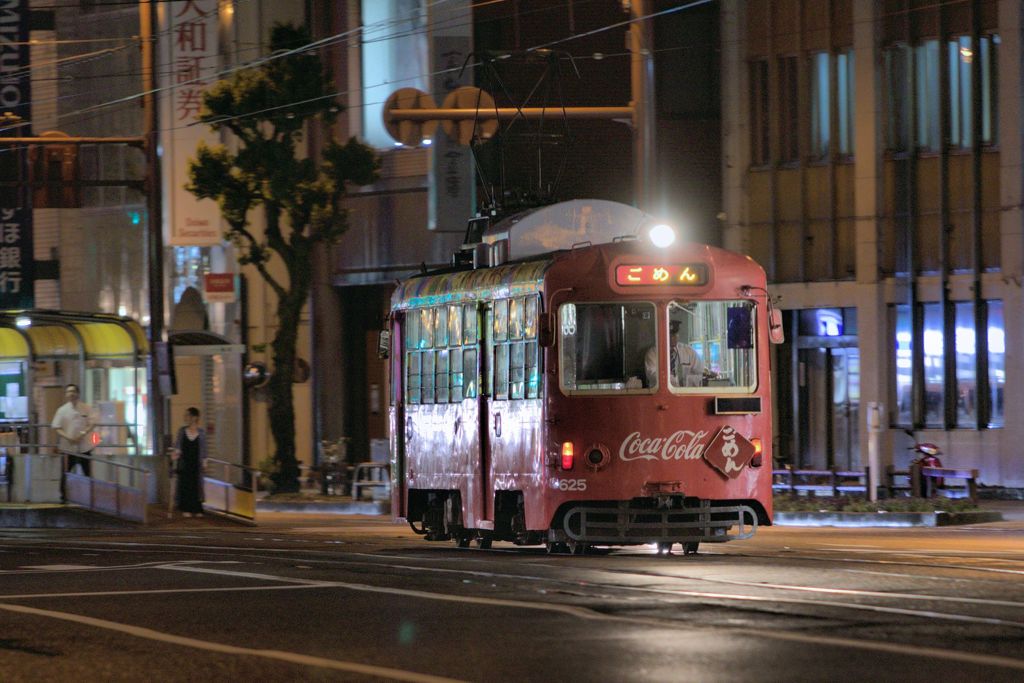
(45, 334)
(504, 281)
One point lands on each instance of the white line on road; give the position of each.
(279, 655)
(579, 612)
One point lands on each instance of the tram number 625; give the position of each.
(569, 484)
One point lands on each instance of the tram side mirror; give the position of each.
(776, 332)
(546, 329)
(384, 344)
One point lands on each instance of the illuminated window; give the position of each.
(820, 89)
(996, 363)
(926, 82)
(966, 358)
(844, 102)
(965, 387)
(934, 366)
(904, 366)
(394, 55)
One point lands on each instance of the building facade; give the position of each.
(872, 164)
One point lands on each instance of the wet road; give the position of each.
(308, 598)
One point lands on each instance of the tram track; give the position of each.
(768, 593)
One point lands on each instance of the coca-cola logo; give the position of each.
(681, 445)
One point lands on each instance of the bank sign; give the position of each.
(16, 259)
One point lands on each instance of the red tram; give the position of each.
(584, 388)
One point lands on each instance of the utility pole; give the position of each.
(154, 222)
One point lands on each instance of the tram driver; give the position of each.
(685, 365)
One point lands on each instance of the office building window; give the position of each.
(820, 89)
(966, 385)
(760, 123)
(966, 376)
(926, 82)
(844, 102)
(904, 336)
(898, 98)
(789, 116)
(962, 53)
(989, 75)
(394, 55)
(961, 125)
(934, 366)
(996, 363)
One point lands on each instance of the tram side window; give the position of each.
(604, 346)
(516, 372)
(531, 364)
(469, 364)
(441, 375)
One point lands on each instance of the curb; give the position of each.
(352, 508)
(60, 517)
(883, 519)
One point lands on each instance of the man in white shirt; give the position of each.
(685, 367)
(74, 426)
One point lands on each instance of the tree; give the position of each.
(267, 108)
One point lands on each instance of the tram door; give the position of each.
(830, 406)
(490, 419)
(399, 426)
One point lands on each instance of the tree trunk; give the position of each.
(282, 408)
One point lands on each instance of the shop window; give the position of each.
(934, 366)
(904, 366)
(966, 360)
(760, 126)
(996, 363)
(820, 86)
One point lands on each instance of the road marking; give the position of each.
(58, 567)
(584, 613)
(279, 655)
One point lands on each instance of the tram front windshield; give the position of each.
(617, 348)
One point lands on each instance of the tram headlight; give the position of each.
(662, 235)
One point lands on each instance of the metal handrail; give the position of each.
(233, 505)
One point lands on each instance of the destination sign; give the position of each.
(677, 275)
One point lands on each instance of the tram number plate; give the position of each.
(569, 484)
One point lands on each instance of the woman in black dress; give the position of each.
(190, 451)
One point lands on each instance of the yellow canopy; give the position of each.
(35, 335)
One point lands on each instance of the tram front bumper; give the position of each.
(627, 523)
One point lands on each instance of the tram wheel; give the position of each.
(664, 548)
(483, 542)
(690, 548)
(556, 548)
(463, 540)
(577, 548)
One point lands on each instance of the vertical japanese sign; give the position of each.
(16, 258)
(189, 51)
(452, 190)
